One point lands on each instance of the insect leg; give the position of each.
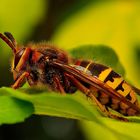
(58, 85)
(20, 80)
(90, 94)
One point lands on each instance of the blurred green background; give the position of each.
(69, 23)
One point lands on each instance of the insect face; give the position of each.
(20, 61)
(21, 55)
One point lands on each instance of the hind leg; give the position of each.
(88, 93)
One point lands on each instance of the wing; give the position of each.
(95, 83)
(136, 89)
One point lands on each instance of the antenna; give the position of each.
(10, 36)
(9, 43)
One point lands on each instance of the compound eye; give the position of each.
(18, 56)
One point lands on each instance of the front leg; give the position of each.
(20, 80)
(58, 85)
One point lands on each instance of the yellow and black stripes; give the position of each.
(111, 78)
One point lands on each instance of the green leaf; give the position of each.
(75, 106)
(100, 54)
(69, 106)
(13, 110)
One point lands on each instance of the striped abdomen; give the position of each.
(115, 81)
